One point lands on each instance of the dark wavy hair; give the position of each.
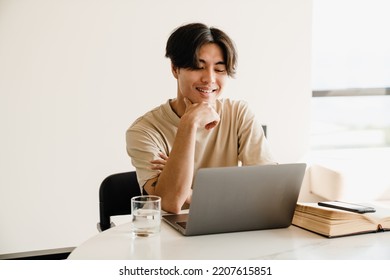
(184, 43)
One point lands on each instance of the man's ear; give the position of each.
(175, 70)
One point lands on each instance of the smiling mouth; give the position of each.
(206, 91)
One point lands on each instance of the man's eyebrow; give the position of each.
(218, 63)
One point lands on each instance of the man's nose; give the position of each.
(208, 76)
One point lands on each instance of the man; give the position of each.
(196, 129)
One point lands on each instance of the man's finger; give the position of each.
(163, 156)
(211, 125)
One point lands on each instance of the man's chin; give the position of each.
(207, 99)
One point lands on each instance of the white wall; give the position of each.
(75, 73)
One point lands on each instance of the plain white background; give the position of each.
(75, 74)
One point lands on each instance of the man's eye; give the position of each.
(220, 70)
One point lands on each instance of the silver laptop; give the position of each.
(230, 199)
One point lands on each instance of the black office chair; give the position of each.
(115, 195)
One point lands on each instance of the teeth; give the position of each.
(206, 91)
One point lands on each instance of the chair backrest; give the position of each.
(115, 195)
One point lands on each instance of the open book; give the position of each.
(333, 222)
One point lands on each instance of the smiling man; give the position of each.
(196, 129)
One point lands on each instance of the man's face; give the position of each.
(206, 83)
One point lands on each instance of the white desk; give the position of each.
(289, 243)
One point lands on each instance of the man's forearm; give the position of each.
(174, 183)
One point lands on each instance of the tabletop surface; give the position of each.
(288, 243)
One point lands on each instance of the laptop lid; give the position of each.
(229, 199)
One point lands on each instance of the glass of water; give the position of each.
(146, 215)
